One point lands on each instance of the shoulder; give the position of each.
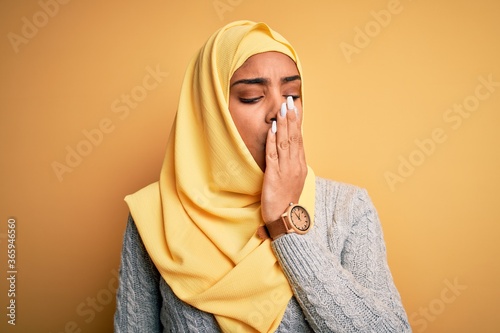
(339, 210)
(338, 202)
(336, 192)
(131, 237)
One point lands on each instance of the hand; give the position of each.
(286, 167)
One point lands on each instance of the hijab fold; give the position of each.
(199, 221)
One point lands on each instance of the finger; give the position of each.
(271, 151)
(282, 140)
(302, 153)
(297, 153)
(294, 137)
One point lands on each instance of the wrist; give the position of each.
(274, 210)
(295, 219)
(271, 218)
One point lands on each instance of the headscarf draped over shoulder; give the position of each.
(199, 221)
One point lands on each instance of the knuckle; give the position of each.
(273, 155)
(295, 139)
(284, 145)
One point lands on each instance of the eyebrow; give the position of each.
(261, 80)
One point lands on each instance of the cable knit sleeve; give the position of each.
(339, 271)
(138, 299)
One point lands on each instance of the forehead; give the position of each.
(267, 64)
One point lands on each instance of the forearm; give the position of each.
(332, 299)
(339, 270)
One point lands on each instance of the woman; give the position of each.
(239, 235)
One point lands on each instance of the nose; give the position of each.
(274, 107)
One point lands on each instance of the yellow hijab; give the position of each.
(199, 222)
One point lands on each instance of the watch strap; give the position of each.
(262, 232)
(277, 228)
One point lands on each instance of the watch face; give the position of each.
(300, 218)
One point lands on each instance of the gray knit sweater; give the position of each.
(338, 272)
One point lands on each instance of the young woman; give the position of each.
(238, 234)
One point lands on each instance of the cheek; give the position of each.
(250, 131)
(247, 122)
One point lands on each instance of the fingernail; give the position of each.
(283, 109)
(291, 105)
(289, 102)
(273, 127)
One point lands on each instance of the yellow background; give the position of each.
(364, 113)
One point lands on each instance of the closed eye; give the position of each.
(250, 100)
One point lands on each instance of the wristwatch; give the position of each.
(294, 219)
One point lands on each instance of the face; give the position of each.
(257, 90)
